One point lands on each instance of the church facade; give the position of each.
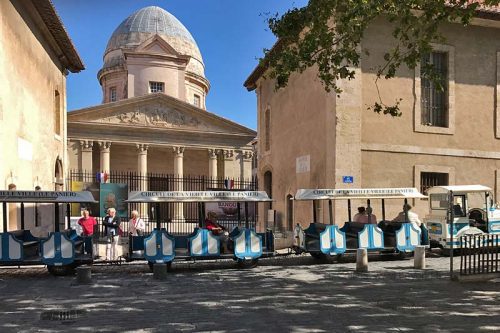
(153, 118)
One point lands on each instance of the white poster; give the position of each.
(303, 164)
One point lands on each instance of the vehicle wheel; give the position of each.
(340, 258)
(151, 265)
(247, 263)
(318, 255)
(402, 255)
(63, 270)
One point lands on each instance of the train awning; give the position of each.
(47, 196)
(197, 196)
(362, 193)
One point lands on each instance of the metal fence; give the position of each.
(168, 182)
(479, 254)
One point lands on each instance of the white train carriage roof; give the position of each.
(360, 193)
(47, 196)
(459, 189)
(197, 196)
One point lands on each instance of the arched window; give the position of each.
(289, 211)
(267, 129)
(57, 113)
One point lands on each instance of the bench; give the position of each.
(31, 244)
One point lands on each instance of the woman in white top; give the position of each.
(136, 225)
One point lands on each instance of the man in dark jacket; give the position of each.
(111, 228)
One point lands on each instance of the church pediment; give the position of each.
(157, 116)
(157, 111)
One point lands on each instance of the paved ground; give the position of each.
(281, 295)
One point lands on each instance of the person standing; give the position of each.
(136, 225)
(87, 223)
(111, 226)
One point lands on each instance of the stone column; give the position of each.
(86, 155)
(179, 172)
(142, 160)
(228, 163)
(212, 163)
(142, 170)
(105, 147)
(246, 165)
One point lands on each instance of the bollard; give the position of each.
(419, 257)
(83, 275)
(160, 271)
(362, 260)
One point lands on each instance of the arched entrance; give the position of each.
(268, 187)
(58, 175)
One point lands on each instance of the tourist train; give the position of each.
(453, 211)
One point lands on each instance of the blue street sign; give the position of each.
(348, 179)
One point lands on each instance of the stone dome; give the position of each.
(145, 23)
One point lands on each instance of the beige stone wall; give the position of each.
(475, 68)
(143, 71)
(29, 145)
(344, 138)
(302, 128)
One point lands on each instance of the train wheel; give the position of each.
(247, 263)
(151, 265)
(318, 255)
(63, 270)
(340, 258)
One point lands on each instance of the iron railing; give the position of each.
(479, 254)
(166, 182)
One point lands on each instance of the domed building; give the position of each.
(152, 51)
(153, 119)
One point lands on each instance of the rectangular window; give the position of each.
(430, 179)
(196, 101)
(156, 87)
(434, 101)
(57, 113)
(112, 94)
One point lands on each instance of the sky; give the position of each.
(231, 35)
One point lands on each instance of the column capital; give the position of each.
(86, 145)
(246, 155)
(142, 148)
(179, 151)
(228, 154)
(212, 153)
(104, 146)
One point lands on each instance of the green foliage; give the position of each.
(328, 33)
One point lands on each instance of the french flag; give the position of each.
(102, 177)
(228, 184)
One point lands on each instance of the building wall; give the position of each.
(344, 138)
(301, 128)
(30, 76)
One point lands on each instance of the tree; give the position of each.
(328, 33)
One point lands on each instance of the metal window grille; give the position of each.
(434, 101)
(155, 87)
(168, 182)
(430, 179)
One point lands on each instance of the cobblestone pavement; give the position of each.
(289, 294)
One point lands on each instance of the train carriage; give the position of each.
(61, 251)
(394, 237)
(245, 245)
